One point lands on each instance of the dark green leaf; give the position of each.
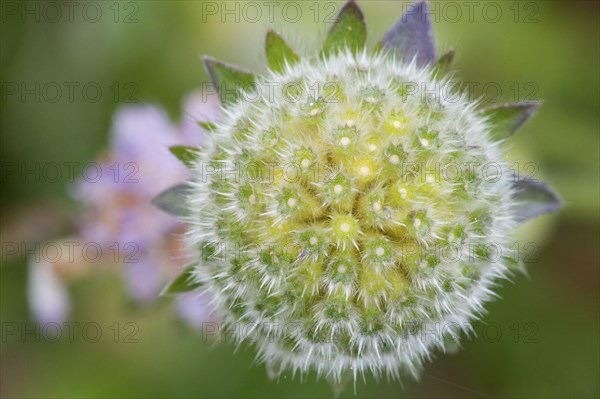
(229, 81)
(533, 199)
(412, 35)
(173, 199)
(507, 118)
(185, 282)
(187, 155)
(278, 52)
(348, 31)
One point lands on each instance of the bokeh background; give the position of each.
(541, 339)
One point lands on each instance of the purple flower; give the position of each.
(118, 216)
(116, 196)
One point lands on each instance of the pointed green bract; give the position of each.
(278, 52)
(505, 119)
(185, 282)
(442, 65)
(187, 155)
(412, 36)
(378, 47)
(348, 31)
(229, 81)
(534, 199)
(208, 126)
(173, 200)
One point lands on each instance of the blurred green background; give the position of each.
(151, 51)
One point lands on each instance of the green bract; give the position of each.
(351, 210)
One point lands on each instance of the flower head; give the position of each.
(346, 202)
